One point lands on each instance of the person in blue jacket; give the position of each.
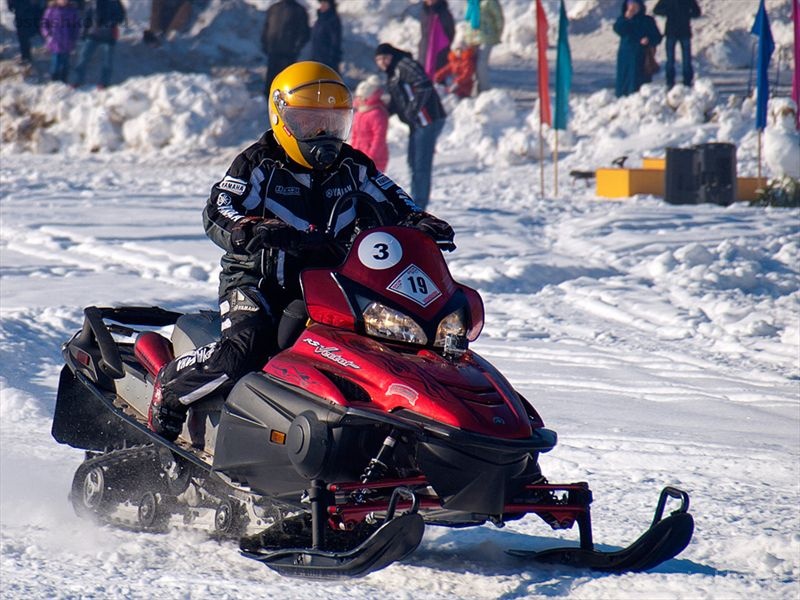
(636, 30)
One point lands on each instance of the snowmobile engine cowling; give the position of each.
(308, 443)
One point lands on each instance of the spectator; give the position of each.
(326, 35)
(679, 14)
(486, 34)
(458, 75)
(637, 32)
(61, 25)
(166, 16)
(414, 99)
(285, 33)
(27, 16)
(371, 121)
(101, 22)
(437, 29)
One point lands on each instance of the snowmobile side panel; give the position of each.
(83, 420)
(275, 440)
(393, 541)
(86, 418)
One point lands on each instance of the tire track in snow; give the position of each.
(67, 253)
(570, 367)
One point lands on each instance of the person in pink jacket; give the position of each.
(371, 121)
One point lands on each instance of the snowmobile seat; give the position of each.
(193, 330)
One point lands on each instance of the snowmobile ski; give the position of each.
(665, 539)
(392, 541)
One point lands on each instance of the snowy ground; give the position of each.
(661, 342)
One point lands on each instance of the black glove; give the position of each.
(272, 233)
(321, 246)
(242, 232)
(439, 230)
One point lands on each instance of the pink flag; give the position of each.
(796, 76)
(437, 41)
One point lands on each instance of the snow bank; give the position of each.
(189, 114)
(175, 113)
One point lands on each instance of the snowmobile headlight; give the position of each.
(385, 322)
(453, 324)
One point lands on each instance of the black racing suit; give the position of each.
(257, 284)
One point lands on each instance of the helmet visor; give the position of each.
(307, 123)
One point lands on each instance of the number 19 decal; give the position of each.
(379, 251)
(414, 284)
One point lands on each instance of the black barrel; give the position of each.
(716, 163)
(682, 179)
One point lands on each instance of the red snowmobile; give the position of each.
(375, 420)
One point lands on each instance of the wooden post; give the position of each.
(759, 154)
(541, 159)
(555, 166)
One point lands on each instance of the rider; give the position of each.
(269, 215)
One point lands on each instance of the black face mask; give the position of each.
(320, 152)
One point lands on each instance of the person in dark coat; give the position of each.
(326, 35)
(679, 14)
(101, 21)
(636, 30)
(414, 99)
(285, 32)
(437, 30)
(27, 16)
(166, 16)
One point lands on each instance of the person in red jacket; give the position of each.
(371, 121)
(458, 74)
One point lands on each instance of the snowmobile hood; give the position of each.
(350, 370)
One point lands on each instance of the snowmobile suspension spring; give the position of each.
(377, 466)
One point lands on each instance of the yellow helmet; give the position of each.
(311, 111)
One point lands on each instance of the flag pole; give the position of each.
(541, 158)
(766, 46)
(555, 166)
(759, 156)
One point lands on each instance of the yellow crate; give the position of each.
(746, 187)
(650, 162)
(622, 183)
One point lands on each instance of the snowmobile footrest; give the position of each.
(392, 541)
(665, 539)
